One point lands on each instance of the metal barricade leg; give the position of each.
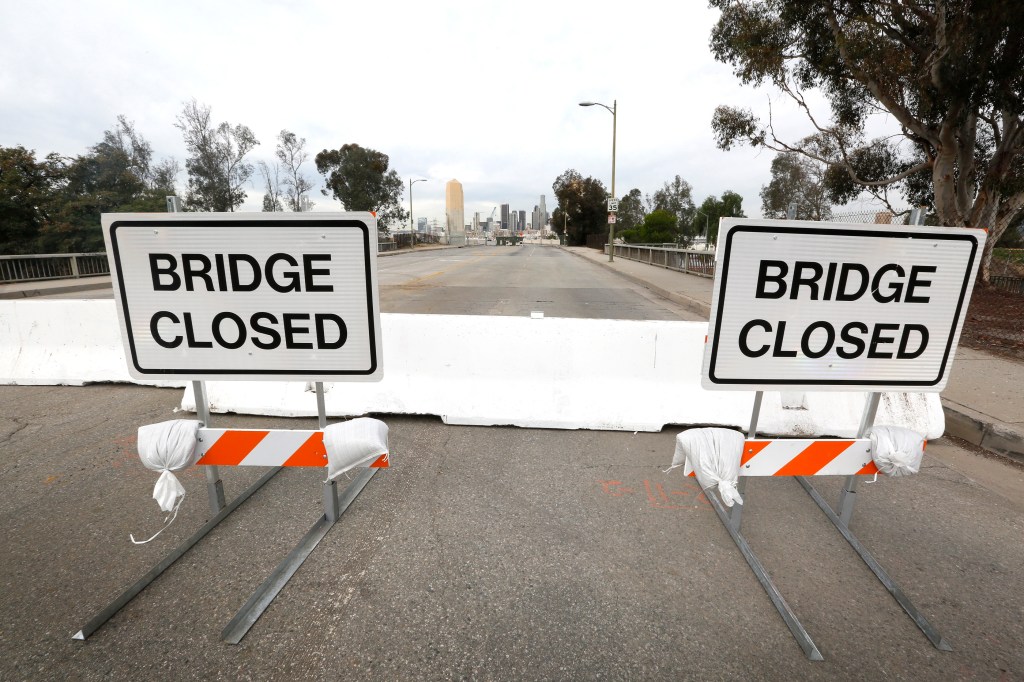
(113, 607)
(841, 521)
(792, 622)
(334, 507)
(731, 520)
(933, 636)
(265, 594)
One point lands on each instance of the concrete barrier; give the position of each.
(474, 370)
(63, 342)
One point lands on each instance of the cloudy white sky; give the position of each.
(484, 92)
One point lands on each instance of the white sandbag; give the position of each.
(895, 450)
(713, 454)
(166, 447)
(354, 443)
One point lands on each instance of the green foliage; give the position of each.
(946, 73)
(359, 178)
(27, 189)
(217, 171)
(54, 205)
(796, 180)
(729, 206)
(631, 211)
(659, 227)
(582, 207)
(676, 197)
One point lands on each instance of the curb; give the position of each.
(65, 289)
(981, 430)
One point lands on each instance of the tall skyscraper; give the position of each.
(543, 213)
(522, 220)
(504, 217)
(455, 210)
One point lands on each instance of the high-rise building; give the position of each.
(504, 217)
(455, 211)
(543, 213)
(522, 220)
(476, 222)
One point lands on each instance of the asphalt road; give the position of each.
(491, 553)
(514, 280)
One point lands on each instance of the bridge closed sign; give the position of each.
(247, 296)
(826, 306)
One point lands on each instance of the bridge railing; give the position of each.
(28, 268)
(690, 261)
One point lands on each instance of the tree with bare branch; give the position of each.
(947, 73)
(291, 152)
(217, 171)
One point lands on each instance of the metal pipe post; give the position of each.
(330, 488)
(214, 486)
(848, 496)
(736, 513)
(611, 226)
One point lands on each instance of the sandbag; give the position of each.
(167, 447)
(354, 443)
(713, 454)
(895, 450)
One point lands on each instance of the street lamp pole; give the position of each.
(412, 232)
(614, 108)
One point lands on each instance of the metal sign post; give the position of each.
(214, 486)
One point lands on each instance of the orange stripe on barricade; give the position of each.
(232, 447)
(751, 448)
(814, 458)
(869, 469)
(312, 453)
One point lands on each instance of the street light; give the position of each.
(412, 233)
(611, 225)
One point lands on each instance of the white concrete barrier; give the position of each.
(63, 342)
(541, 373)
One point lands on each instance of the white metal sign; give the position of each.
(824, 306)
(247, 296)
(613, 205)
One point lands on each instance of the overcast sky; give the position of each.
(483, 92)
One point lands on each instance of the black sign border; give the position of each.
(163, 223)
(760, 229)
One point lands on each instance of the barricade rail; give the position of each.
(692, 262)
(27, 268)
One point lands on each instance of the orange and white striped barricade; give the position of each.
(177, 306)
(276, 448)
(800, 458)
(814, 306)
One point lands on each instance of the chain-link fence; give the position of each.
(874, 217)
